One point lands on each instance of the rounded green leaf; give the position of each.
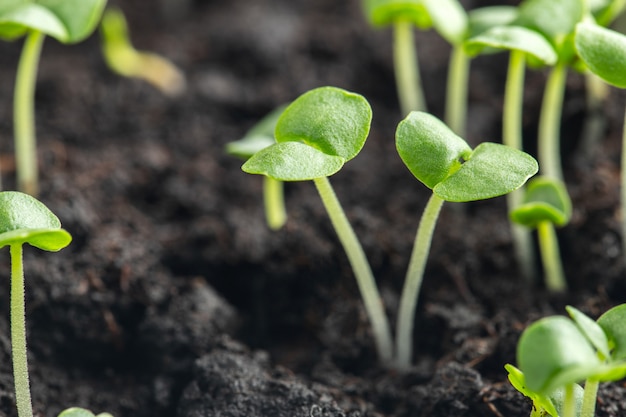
(81, 412)
(260, 136)
(603, 51)
(429, 149)
(513, 38)
(68, 21)
(552, 353)
(449, 19)
(613, 322)
(387, 12)
(592, 331)
(540, 402)
(292, 161)
(605, 11)
(24, 219)
(555, 19)
(329, 119)
(546, 199)
(484, 18)
(491, 170)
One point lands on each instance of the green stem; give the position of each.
(456, 93)
(549, 152)
(569, 402)
(362, 271)
(551, 258)
(273, 198)
(413, 282)
(595, 119)
(24, 113)
(512, 136)
(590, 394)
(18, 334)
(406, 67)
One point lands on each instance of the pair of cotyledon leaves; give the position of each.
(326, 127)
(68, 21)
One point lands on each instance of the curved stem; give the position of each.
(18, 334)
(456, 93)
(512, 136)
(588, 408)
(413, 282)
(24, 113)
(551, 258)
(274, 201)
(548, 146)
(360, 266)
(406, 68)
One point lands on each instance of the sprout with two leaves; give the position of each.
(68, 21)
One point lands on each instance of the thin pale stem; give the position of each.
(24, 113)
(595, 119)
(588, 408)
(512, 136)
(274, 201)
(18, 334)
(551, 258)
(362, 271)
(569, 402)
(406, 66)
(623, 187)
(413, 282)
(456, 93)
(548, 142)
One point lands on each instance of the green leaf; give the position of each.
(605, 11)
(546, 199)
(513, 38)
(484, 18)
(260, 136)
(24, 219)
(540, 402)
(387, 12)
(592, 331)
(81, 412)
(429, 149)
(603, 51)
(492, 170)
(329, 119)
(555, 19)
(293, 161)
(613, 322)
(68, 21)
(552, 353)
(449, 19)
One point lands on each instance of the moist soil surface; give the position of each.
(175, 299)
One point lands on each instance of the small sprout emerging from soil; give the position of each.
(447, 165)
(315, 136)
(68, 21)
(546, 205)
(122, 58)
(555, 353)
(259, 137)
(23, 219)
(81, 412)
(604, 52)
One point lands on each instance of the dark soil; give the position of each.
(175, 299)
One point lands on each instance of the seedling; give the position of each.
(315, 136)
(68, 21)
(259, 137)
(447, 165)
(546, 205)
(555, 353)
(23, 219)
(122, 58)
(604, 52)
(81, 412)
(523, 44)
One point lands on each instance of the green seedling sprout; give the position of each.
(81, 412)
(523, 44)
(315, 136)
(68, 21)
(604, 52)
(23, 219)
(447, 165)
(123, 59)
(546, 205)
(556, 352)
(259, 137)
